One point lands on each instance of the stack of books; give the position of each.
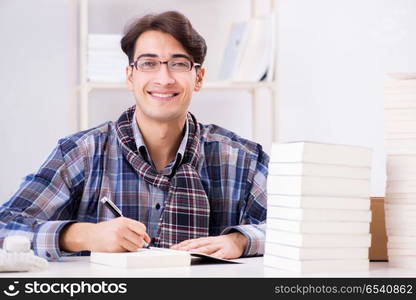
(318, 209)
(400, 141)
(106, 60)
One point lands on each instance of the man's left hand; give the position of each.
(228, 246)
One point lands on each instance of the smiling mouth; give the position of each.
(163, 96)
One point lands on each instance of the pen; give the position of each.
(116, 211)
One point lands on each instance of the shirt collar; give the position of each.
(141, 146)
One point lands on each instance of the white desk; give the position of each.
(250, 267)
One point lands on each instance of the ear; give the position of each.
(199, 79)
(129, 78)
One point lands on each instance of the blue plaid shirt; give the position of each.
(89, 164)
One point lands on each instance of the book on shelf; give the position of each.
(151, 258)
(318, 227)
(313, 152)
(318, 240)
(321, 170)
(310, 214)
(303, 253)
(106, 62)
(316, 266)
(233, 50)
(248, 55)
(318, 186)
(325, 202)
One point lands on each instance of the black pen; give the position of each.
(117, 212)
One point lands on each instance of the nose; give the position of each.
(164, 76)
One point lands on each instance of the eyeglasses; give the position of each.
(178, 64)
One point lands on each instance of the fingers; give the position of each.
(131, 233)
(135, 226)
(192, 244)
(208, 249)
(220, 253)
(128, 245)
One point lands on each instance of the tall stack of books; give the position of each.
(400, 141)
(318, 209)
(106, 60)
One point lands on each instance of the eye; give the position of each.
(177, 64)
(147, 64)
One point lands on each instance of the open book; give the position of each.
(153, 258)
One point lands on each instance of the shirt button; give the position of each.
(157, 206)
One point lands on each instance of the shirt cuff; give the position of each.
(255, 235)
(46, 240)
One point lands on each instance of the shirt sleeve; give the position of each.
(253, 215)
(42, 206)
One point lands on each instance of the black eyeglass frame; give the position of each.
(134, 64)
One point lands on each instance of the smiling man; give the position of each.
(179, 184)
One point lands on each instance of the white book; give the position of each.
(397, 241)
(392, 222)
(402, 201)
(400, 215)
(403, 261)
(318, 240)
(401, 163)
(314, 169)
(398, 251)
(399, 135)
(400, 146)
(318, 186)
(233, 50)
(401, 186)
(318, 227)
(143, 258)
(401, 232)
(151, 258)
(315, 266)
(302, 253)
(400, 114)
(324, 202)
(256, 57)
(311, 152)
(400, 196)
(401, 126)
(310, 214)
(400, 207)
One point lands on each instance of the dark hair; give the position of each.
(171, 22)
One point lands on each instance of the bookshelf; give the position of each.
(85, 86)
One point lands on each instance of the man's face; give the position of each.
(162, 95)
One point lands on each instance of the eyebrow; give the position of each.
(177, 55)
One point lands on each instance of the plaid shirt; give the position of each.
(69, 184)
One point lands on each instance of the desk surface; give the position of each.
(250, 267)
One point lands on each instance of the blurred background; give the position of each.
(329, 66)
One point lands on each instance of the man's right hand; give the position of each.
(117, 235)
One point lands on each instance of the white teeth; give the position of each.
(162, 95)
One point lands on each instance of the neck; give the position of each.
(162, 139)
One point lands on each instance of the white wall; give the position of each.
(35, 85)
(333, 57)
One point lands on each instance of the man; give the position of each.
(178, 183)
